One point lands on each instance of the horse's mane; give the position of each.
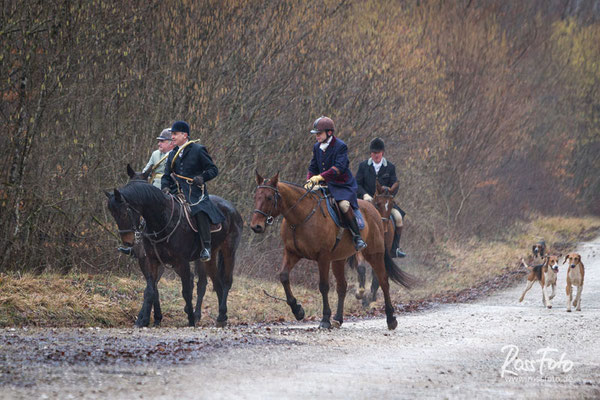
(138, 191)
(293, 184)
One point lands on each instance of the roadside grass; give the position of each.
(83, 300)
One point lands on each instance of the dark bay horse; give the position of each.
(309, 232)
(383, 200)
(168, 238)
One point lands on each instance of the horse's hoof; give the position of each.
(336, 324)
(392, 324)
(221, 324)
(360, 294)
(372, 305)
(300, 313)
(325, 325)
(569, 310)
(549, 306)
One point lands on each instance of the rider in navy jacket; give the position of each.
(330, 164)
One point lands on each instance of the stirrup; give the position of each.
(399, 253)
(126, 250)
(205, 255)
(359, 243)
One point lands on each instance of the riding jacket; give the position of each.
(366, 178)
(192, 161)
(333, 165)
(159, 170)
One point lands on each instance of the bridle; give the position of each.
(136, 227)
(274, 207)
(385, 196)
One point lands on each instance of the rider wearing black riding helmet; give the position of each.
(377, 168)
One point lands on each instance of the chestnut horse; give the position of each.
(168, 238)
(383, 200)
(309, 232)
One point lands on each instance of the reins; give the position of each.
(274, 207)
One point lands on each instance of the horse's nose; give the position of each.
(257, 228)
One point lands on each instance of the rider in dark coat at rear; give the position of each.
(377, 168)
(193, 167)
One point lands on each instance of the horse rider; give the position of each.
(156, 168)
(377, 168)
(330, 164)
(187, 170)
(158, 159)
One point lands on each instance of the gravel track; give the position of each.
(449, 351)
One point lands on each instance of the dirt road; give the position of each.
(492, 348)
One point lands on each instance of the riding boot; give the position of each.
(396, 251)
(204, 234)
(350, 218)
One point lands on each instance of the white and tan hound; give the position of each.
(575, 275)
(545, 274)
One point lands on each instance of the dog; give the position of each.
(575, 275)
(539, 249)
(545, 274)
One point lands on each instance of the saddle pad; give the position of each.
(359, 218)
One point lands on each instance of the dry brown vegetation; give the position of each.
(490, 110)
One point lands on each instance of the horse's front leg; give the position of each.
(143, 318)
(289, 260)
(201, 289)
(187, 287)
(324, 289)
(225, 268)
(157, 274)
(341, 287)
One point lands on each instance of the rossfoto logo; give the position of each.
(548, 360)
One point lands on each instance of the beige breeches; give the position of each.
(397, 217)
(344, 206)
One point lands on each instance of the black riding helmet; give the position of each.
(376, 145)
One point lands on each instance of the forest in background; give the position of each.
(489, 109)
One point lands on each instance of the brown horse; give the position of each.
(168, 238)
(383, 200)
(309, 232)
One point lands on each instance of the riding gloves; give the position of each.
(312, 181)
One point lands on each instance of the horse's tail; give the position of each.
(396, 274)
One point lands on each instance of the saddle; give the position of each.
(335, 213)
(187, 211)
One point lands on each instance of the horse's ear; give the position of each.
(378, 187)
(394, 188)
(107, 194)
(130, 171)
(118, 196)
(274, 180)
(259, 179)
(147, 174)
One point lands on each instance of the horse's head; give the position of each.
(127, 218)
(266, 203)
(383, 200)
(142, 176)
